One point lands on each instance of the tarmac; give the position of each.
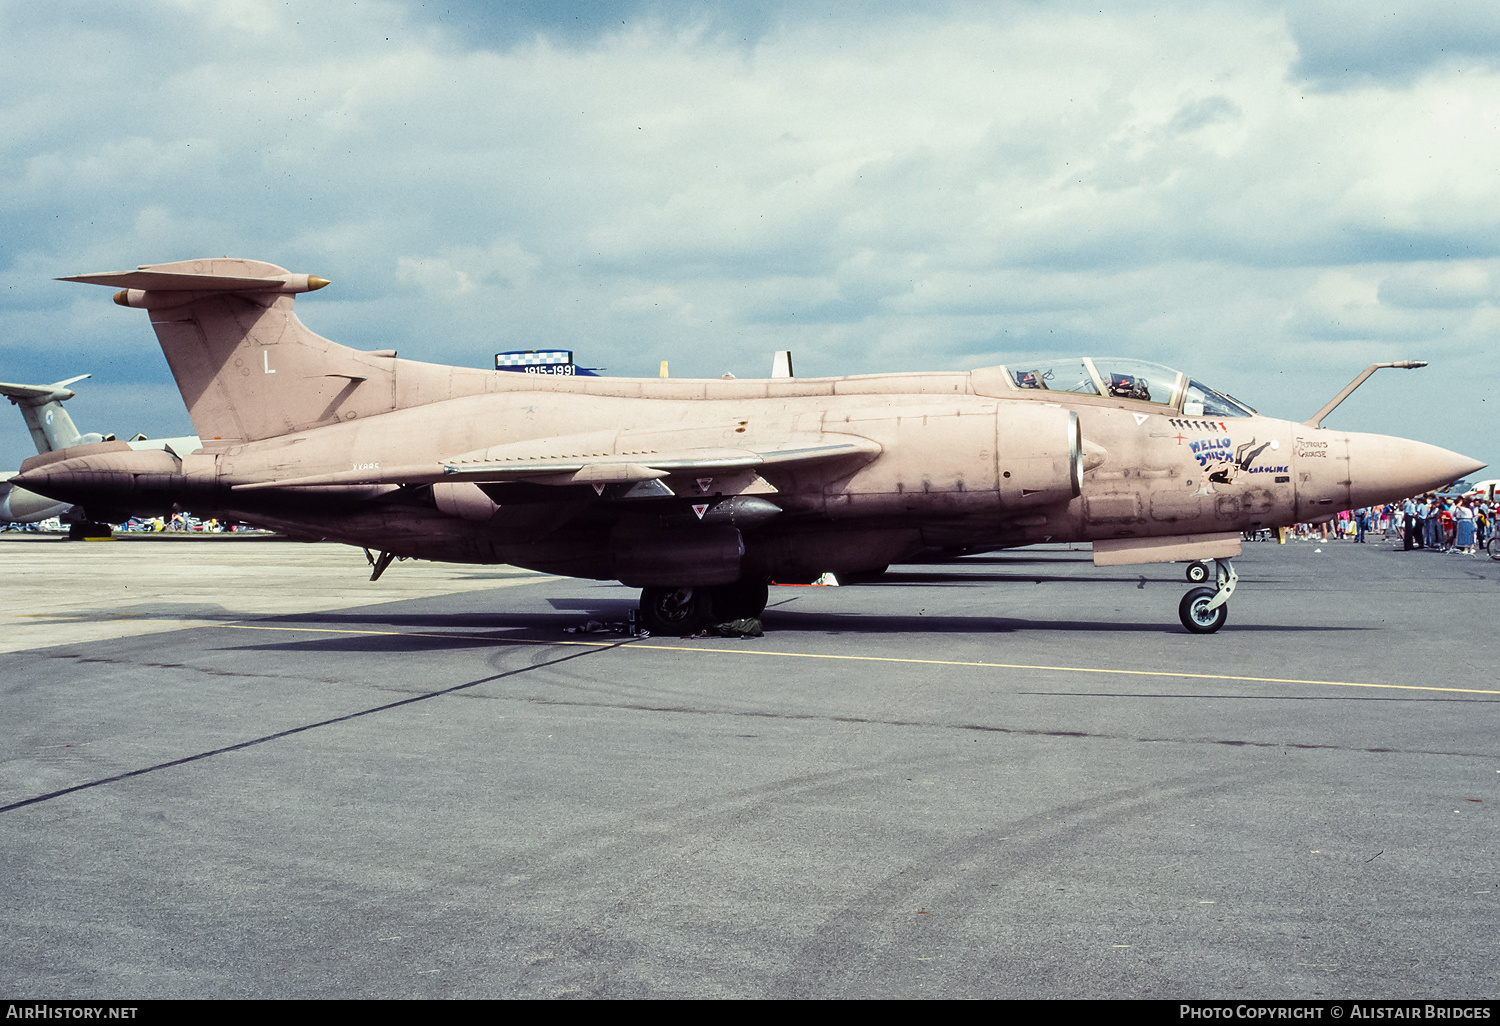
(245, 771)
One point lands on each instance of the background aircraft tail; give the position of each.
(249, 369)
(51, 427)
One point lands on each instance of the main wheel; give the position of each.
(740, 600)
(1197, 571)
(1195, 614)
(679, 611)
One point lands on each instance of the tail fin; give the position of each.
(41, 405)
(246, 366)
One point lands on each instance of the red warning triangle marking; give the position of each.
(700, 508)
(598, 488)
(704, 482)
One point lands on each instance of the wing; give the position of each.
(497, 465)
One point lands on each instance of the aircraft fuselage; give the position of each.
(954, 469)
(674, 485)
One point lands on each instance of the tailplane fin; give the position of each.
(41, 405)
(246, 366)
(249, 369)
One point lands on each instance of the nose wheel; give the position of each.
(1205, 610)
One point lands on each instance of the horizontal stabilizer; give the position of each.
(149, 279)
(38, 394)
(167, 281)
(630, 466)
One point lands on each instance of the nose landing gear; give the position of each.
(1205, 610)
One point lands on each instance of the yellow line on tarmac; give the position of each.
(856, 658)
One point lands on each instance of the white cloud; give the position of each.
(1452, 284)
(930, 188)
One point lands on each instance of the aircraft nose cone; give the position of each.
(1383, 469)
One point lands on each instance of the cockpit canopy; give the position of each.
(1122, 378)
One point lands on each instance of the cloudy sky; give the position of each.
(1269, 196)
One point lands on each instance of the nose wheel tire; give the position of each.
(1198, 571)
(1195, 614)
(675, 611)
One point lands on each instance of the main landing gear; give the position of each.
(1205, 610)
(688, 610)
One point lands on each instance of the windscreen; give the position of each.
(1202, 401)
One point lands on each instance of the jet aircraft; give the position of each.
(52, 429)
(700, 491)
(1483, 490)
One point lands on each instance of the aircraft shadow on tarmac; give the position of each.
(899, 578)
(1038, 559)
(500, 628)
(856, 623)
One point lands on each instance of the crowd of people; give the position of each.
(177, 522)
(1440, 523)
(1447, 524)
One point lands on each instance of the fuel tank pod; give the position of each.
(669, 558)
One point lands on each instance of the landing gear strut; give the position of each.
(1205, 610)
